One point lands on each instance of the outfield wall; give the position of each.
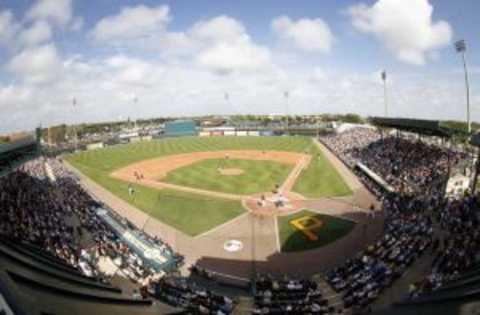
(219, 132)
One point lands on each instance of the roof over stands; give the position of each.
(475, 140)
(419, 126)
(460, 306)
(34, 283)
(15, 153)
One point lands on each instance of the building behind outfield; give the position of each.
(180, 128)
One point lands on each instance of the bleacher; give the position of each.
(15, 153)
(35, 283)
(458, 297)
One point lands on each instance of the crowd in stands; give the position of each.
(457, 247)
(344, 143)
(407, 234)
(406, 164)
(182, 293)
(418, 216)
(289, 296)
(60, 217)
(43, 204)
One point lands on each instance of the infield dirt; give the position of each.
(150, 172)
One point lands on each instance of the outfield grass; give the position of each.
(181, 210)
(293, 240)
(257, 176)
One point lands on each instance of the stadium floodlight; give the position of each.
(461, 48)
(74, 105)
(384, 79)
(286, 95)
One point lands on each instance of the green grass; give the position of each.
(293, 240)
(320, 179)
(191, 213)
(258, 176)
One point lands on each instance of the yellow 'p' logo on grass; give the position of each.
(306, 225)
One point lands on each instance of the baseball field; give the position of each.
(195, 184)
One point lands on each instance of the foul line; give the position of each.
(277, 234)
(222, 225)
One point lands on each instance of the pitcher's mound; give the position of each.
(230, 171)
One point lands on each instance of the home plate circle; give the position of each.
(233, 246)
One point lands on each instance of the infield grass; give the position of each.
(331, 229)
(192, 213)
(257, 176)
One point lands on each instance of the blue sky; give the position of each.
(180, 57)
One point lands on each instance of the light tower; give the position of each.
(74, 105)
(385, 96)
(461, 48)
(286, 95)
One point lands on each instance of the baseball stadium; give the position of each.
(178, 157)
(279, 198)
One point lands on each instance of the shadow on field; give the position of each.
(303, 263)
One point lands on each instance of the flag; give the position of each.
(74, 102)
(384, 75)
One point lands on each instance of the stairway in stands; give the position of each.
(334, 298)
(244, 306)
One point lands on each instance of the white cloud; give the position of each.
(220, 44)
(406, 28)
(38, 33)
(220, 28)
(240, 55)
(130, 71)
(180, 75)
(39, 65)
(318, 74)
(226, 46)
(132, 22)
(104, 90)
(311, 35)
(8, 27)
(57, 11)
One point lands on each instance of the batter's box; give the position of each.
(306, 225)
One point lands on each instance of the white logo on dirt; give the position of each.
(233, 246)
